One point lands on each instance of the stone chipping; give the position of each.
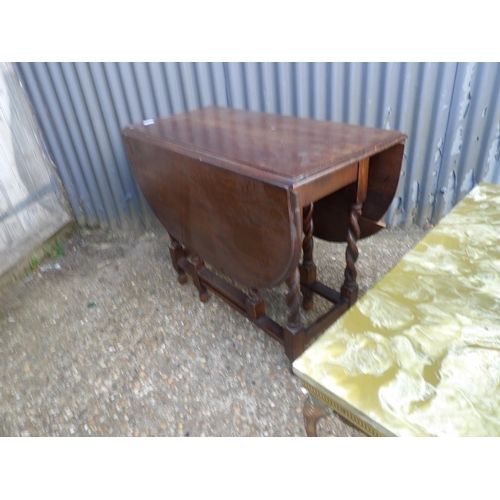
(104, 341)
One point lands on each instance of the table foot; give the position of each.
(254, 305)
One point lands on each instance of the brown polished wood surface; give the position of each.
(288, 149)
(247, 229)
(383, 177)
(237, 189)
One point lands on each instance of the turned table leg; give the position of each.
(294, 333)
(176, 253)
(308, 267)
(350, 288)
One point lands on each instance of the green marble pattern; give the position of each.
(419, 354)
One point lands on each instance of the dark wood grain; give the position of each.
(331, 213)
(230, 187)
(245, 228)
(286, 148)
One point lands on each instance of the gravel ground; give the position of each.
(104, 341)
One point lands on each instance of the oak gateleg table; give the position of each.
(238, 189)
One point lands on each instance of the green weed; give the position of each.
(55, 252)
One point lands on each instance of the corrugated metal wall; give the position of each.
(450, 111)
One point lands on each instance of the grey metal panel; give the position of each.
(354, 95)
(160, 89)
(414, 122)
(131, 94)
(435, 120)
(115, 122)
(450, 111)
(174, 84)
(419, 100)
(486, 115)
(471, 151)
(270, 85)
(236, 89)
(145, 90)
(102, 159)
(285, 89)
(205, 86)
(65, 175)
(59, 141)
(83, 136)
(188, 79)
(319, 91)
(302, 92)
(219, 83)
(126, 197)
(253, 86)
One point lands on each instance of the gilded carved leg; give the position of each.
(350, 287)
(312, 413)
(294, 333)
(307, 268)
(198, 265)
(176, 253)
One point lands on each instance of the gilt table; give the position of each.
(419, 354)
(237, 189)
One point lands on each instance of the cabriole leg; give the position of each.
(312, 412)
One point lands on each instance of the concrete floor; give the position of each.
(104, 341)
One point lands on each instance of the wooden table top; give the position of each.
(265, 146)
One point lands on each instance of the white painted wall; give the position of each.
(30, 210)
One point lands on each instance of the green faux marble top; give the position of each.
(419, 354)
